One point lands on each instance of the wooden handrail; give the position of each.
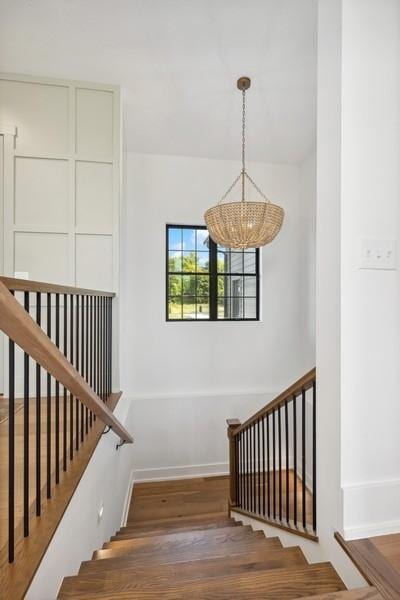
(27, 285)
(304, 383)
(19, 326)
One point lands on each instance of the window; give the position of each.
(206, 282)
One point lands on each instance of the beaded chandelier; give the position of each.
(241, 223)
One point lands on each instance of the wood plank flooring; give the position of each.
(378, 559)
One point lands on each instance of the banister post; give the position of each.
(233, 466)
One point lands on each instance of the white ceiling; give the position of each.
(177, 62)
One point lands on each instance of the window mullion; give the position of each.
(213, 281)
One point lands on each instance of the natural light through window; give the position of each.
(209, 282)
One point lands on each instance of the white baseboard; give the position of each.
(127, 501)
(371, 509)
(181, 472)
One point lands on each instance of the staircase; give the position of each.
(172, 548)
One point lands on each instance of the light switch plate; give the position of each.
(21, 275)
(378, 254)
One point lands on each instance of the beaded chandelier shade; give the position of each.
(242, 223)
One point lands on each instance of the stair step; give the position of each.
(187, 539)
(133, 533)
(176, 520)
(125, 580)
(176, 505)
(166, 540)
(367, 593)
(285, 584)
(182, 553)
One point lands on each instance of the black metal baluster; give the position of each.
(97, 355)
(295, 459)
(247, 469)
(94, 352)
(110, 342)
(274, 460)
(287, 462)
(91, 352)
(259, 465)
(65, 332)
(26, 431)
(251, 467)
(241, 469)
(263, 461)
(38, 415)
(11, 449)
(280, 461)
(236, 441)
(71, 360)
(77, 368)
(48, 415)
(108, 347)
(303, 451)
(268, 471)
(57, 394)
(314, 451)
(87, 359)
(82, 363)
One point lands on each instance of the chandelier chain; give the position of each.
(243, 142)
(256, 187)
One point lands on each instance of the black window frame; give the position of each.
(213, 275)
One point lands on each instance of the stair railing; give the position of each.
(57, 382)
(272, 461)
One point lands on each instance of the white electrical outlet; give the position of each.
(21, 275)
(378, 254)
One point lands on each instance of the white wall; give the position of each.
(187, 378)
(106, 482)
(370, 300)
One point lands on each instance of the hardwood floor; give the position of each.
(179, 544)
(378, 559)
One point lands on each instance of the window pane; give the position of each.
(203, 262)
(189, 262)
(235, 262)
(249, 262)
(230, 308)
(189, 240)
(250, 308)
(175, 308)
(221, 262)
(175, 285)
(221, 285)
(230, 285)
(175, 261)
(250, 286)
(189, 285)
(223, 307)
(189, 307)
(175, 239)
(203, 285)
(203, 308)
(202, 239)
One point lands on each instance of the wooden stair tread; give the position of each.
(179, 555)
(167, 539)
(127, 579)
(179, 542)
(133, 533)
(284, 584)
(176, 520)
(367, 593)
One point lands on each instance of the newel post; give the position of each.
(233, 424)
